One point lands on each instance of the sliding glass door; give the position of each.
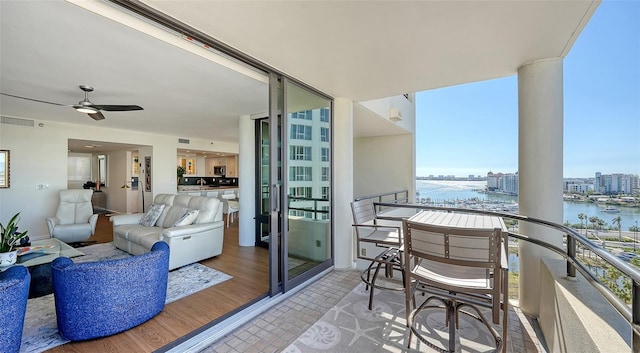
(306, 169)
(293, 211)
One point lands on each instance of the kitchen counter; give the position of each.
(203, 189)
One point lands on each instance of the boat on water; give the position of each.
(611, 210)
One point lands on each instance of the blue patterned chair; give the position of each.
(14, 290)
(97, 299)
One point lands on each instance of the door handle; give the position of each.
(276, 195)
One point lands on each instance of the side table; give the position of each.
(99, 201)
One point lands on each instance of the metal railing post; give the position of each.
(635, 317)
(571, 254)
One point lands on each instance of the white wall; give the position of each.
(387, 163)
(39, 156)
(383, 164)
(343, 158)
(403, 104)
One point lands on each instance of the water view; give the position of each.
(449, 193)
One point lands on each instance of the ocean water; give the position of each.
(442, 191)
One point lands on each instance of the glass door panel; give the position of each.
(263, 196)
(307, 171)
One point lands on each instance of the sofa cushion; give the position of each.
(172, 215)
(152, 215)
(167, 200)
(145, 236)
(208, 206)
(186, 218)
(71, 230)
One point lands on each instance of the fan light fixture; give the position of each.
(88, 110)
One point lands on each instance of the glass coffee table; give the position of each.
(38, 257)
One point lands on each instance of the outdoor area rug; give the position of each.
(40, 329)
(351, 327)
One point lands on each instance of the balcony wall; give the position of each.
(574, 317)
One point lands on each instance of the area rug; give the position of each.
(351, 327)
(40, 328)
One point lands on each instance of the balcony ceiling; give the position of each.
(374, 49)
(354, 49)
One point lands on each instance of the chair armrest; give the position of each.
(380, 235)
(93, 220)
(378, 227)
(504, 254)
(133, 218)
(190, 229)
(52, 222)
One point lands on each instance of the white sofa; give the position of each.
(188, 244)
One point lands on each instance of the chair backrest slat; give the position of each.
(453, 245)
(363, 211)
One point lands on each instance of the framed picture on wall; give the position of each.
(135, 165)
(191, 166)
(4, 168)
(147, 175)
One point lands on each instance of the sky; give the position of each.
(472, 129)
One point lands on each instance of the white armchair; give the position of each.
(74, 220)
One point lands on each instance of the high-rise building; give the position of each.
(617, 183)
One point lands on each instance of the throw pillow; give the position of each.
(187, 218)
(152, 215)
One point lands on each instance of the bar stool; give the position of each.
(231, 206)
(387, 237)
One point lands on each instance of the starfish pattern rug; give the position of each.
(351, 327)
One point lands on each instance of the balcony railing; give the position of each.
(309, 205)
(399, 200)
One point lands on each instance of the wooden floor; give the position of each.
(249, 268)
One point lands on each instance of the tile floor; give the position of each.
(277, 328)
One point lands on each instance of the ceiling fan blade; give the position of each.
(117, 108)
(31, 99)
(96, 116)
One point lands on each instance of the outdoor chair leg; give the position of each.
(452, 312)
(373, 282)
(366, 287)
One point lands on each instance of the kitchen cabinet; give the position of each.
(231, 164)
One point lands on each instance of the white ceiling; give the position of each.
(48, 48)
(356, 49)
(374, 49)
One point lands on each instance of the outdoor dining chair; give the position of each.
(381, 233)
(462, 268)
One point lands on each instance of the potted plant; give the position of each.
(9, 239)
(181, 172)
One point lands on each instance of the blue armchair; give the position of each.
(97, 299)
(14, 290)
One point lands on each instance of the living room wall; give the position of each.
(39, 156)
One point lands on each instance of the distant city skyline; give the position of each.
(484, 176)
(472, 129)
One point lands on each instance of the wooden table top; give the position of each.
(461, 220)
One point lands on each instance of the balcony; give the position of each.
(588, 297)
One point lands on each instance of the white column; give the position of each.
(247, 181)
(343, 181)
(540, 150)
